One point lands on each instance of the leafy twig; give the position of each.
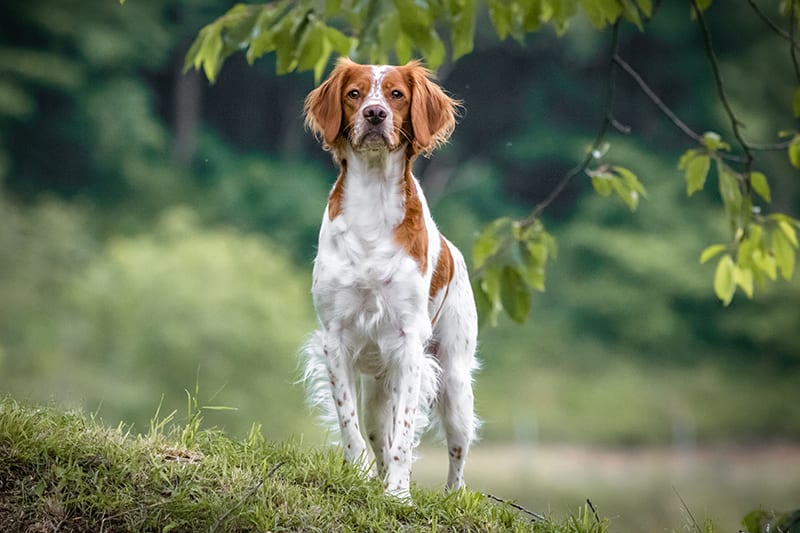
(535, 516)
(712, 58)
(608, 120)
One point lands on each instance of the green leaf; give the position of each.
(534, 258)
(628, 196)
(631, 13)
(490, 288)
(483, 303)
(646, 6)
(208, 51)
(433, 49)
(262, 41)
(758, 181)
(311, 46)
(744, 279)
(514, 295)
(783, 252)
(489, 241)
(628, 187)
(532, 16)
(711, 252)
(404, 49)
(388, 31)
(766, 264)
(601, 13)
(322, 61)
(500, 16)
(340, 42)
(789, 231)
(285, 45)
(729, 189)
(714, 142)
(696, 173)
(724, 283)
(796, 102)
(415, 15)
(702, 5)
(752, 520)
(551, 245)
(794, 151)
(630, 180)
(462, 34)
(687, 158)
(603, 183)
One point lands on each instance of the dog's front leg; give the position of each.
(402, 380)
(343, 383)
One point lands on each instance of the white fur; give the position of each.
(376, 317)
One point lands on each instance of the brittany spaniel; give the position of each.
(398, 327)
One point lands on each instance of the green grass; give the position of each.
(65, 471)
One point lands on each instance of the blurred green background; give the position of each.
(157, 233)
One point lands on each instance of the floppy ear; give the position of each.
(433, 113)
(323, 105)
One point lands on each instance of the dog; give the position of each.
(397, 319)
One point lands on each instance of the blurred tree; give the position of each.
(95, 156)
(510, 254)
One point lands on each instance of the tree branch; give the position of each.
(793, 48)
(774, 27)
(655, 99)
(608, 120)
(712, 58)
(681, 125)
(594, 510)
(535, 516)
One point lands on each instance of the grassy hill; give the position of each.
(65, 471)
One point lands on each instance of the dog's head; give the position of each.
(382, 107)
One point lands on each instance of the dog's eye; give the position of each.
(353, 94)
(396, 94)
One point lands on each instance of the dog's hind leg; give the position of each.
(376, 413)
(454, 344)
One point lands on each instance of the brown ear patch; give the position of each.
(433, 113)
(323, 105)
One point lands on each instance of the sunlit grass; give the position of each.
(65, 471)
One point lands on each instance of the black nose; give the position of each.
(375, 114)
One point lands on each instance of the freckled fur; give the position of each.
(397, 318)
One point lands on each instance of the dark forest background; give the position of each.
(157, 232)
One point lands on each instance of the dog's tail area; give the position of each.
(315, 377)
(428, 391)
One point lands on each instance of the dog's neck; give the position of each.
(365, 167)
(373, 189)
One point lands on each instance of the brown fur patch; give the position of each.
(444, 269)
(337, 194)
(410, 233)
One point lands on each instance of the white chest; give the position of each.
(364, 281)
